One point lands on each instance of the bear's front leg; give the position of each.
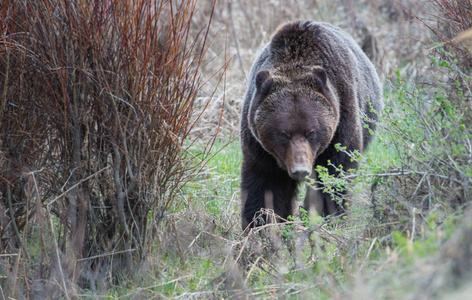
(269, 188)
(327, 204)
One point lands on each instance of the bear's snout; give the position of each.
(300, 173)
(299, 159)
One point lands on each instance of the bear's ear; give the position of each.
(320, 77)
(263, 82)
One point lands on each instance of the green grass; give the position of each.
(218, 186)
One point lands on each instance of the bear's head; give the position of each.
(294, 118)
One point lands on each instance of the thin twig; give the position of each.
(252, 269)
(10, 209)
(368, 253)
(213, 235)
(75, 185)
(9, 255)
(56, 246)
(106, 254)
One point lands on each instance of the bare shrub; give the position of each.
(97, 103)
(447, 19)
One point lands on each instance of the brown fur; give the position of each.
(306, 91)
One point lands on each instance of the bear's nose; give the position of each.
(300, 173)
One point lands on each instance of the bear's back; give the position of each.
(305, 43)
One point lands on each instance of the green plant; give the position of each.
(428, 127)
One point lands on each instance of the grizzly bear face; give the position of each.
(294, 120)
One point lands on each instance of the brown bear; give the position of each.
(310, 88)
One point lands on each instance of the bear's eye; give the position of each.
(284, 136)
(310, 135)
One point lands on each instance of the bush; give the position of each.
(427, 129)
(97, 103)
(428, 126)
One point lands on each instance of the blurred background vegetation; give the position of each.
(119, 154)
